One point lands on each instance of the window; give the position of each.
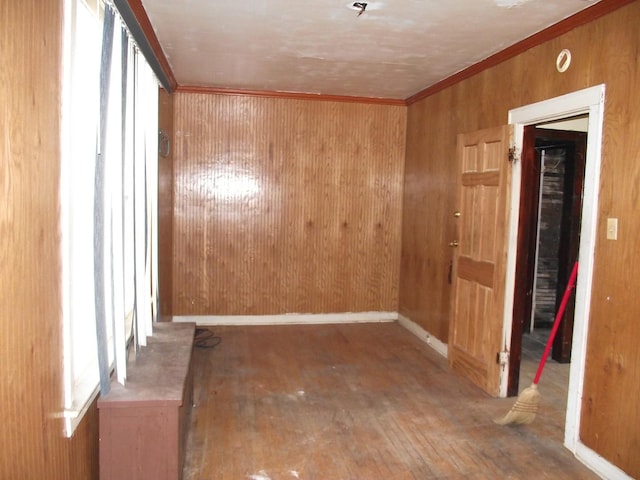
(108, 201)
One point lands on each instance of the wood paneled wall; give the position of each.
(604, 51)
(285, 205)
(165, 207)
(31, 398)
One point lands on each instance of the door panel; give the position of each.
(480, 259)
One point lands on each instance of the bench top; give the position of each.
(156, 377)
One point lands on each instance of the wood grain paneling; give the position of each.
(428, 226)
(604, 51)
(31, 436)
(285, 205)
(165, 207)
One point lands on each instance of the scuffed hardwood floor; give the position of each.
(363, 401)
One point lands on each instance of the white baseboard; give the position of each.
(438, 345)
(598, 464)
(289, 318)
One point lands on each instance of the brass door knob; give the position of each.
(457, 214)
(453, 244)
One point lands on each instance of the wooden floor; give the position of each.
(364, 401)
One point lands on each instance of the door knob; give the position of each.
(457, 214)
(453, 244)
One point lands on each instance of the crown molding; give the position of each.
(149, 44)
(578, 19)
(289, 95)
(138, 23)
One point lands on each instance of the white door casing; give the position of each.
(588, 101)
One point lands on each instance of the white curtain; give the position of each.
(109, 141)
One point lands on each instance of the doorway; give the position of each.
(560, 161)
(552, 178)
(589, 101)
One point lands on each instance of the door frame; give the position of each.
(587, 101)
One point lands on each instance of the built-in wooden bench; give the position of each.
(143, 425)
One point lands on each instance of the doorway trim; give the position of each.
(587, 101)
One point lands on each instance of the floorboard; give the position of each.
(553, 386)
(361, 401)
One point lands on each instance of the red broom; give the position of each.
(525, 408)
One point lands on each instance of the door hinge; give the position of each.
(514, 155)
(502, 358)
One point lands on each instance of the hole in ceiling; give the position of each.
(370, 6)
(361, 6)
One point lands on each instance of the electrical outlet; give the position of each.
(612, 228)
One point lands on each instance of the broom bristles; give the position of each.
(525, 408)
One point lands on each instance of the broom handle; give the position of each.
(556, 323)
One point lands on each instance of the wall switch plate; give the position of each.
(612, 228)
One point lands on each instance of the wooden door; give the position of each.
(475, 336)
